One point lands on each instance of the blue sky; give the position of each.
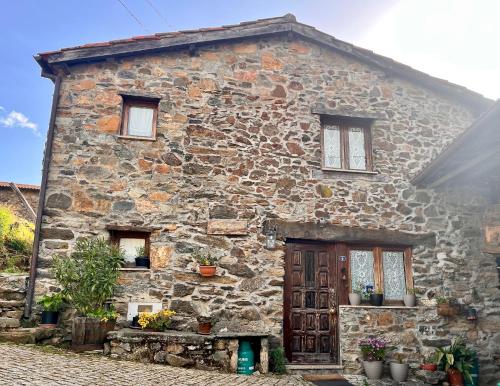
(453, 39)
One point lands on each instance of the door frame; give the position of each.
(333, 278)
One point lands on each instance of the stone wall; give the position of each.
(9, 198)
(236, 140)
(12, 298)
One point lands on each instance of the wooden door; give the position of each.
(310, 304)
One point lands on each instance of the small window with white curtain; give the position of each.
(139, 118)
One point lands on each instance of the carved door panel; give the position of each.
(310, 304)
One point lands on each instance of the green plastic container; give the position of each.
(246, 360)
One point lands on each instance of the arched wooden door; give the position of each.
(310, 304)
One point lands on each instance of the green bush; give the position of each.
(53, 302)
(278, 361)
(89, 275)
(16, 241)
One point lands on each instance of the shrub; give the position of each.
(160, 320)
(278, 361)
(16, 241)
(89, 275)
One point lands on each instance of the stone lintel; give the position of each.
(227, 227)
(323, 110)
(338, 233)
(131, 228)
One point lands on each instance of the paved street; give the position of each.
(28, 365)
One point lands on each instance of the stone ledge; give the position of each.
(380, 307)
(134, 269)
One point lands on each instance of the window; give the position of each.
(346, 144)
(139, 117)
(388, 269)
(129, 242)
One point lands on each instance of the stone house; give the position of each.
(222, 138)
(17, 200)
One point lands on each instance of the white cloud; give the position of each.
(452, 39)
(16, 119)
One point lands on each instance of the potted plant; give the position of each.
(373, 351)
(410, 299)
(444, 308)
(457, 361)
(206, 263)
(88, 278)
(156, 321)
(51, 304)
(377, 298)
(205, 324)
(429, 363)
(142, 259)
(355, 295)
(399, 370)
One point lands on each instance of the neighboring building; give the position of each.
(13, 199)
(213, 138)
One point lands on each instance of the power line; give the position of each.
(134, 17)
(160, 14)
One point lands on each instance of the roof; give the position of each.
(472, 155)
(286, 25)
(4, 184)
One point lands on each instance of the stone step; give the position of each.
(314, 369)
(27, 335)
(7, 323)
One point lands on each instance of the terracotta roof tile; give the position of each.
(5, 184)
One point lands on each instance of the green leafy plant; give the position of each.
(16, 241)
(89, 275)
(411, 291)
(399, 357)
(53, 302)
(456, 356)
(357, 288)
(140, 251)
(278, 361)
(442, 300)
(378, 291)
(205, 258)
(104, 314)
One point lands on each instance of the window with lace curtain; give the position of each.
(346, 144)
(139, 118)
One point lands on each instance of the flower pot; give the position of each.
(204, 328)
(399, 371)
(207, 270)
(455, 377)
(445, 309)
(373, 369)
(410, 300)
(429, 366)
(135, 322)
(89, 333)
(49, 318)
(376, 299)
(142, 261)
(354, 299)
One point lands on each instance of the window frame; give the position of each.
(127, 103)
(116, 235)
(378, 268)
(344, 123)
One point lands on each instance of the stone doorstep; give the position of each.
(314, 369)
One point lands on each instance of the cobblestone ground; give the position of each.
(29, 365)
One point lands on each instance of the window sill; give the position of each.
(349, 171)
(135, 138)
(383, 307)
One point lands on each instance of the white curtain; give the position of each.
(140, 122)
(129, 247)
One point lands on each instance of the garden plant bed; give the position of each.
(186, 349)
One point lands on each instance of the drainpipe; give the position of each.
(41, 200)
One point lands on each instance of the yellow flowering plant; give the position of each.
(160, 320)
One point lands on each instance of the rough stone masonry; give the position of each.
(237, 143)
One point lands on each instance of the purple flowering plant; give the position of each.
(373, 349)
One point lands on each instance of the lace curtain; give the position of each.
(357, 155)
(394, 275)
(331, 143)
(140, 121)
(362, 269)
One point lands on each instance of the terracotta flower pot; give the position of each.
(207, 270)
(445, 309)
(354, 299)
(455, 377)
(429, 366)
(410, 300)
(373, 369)
(204, 328)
